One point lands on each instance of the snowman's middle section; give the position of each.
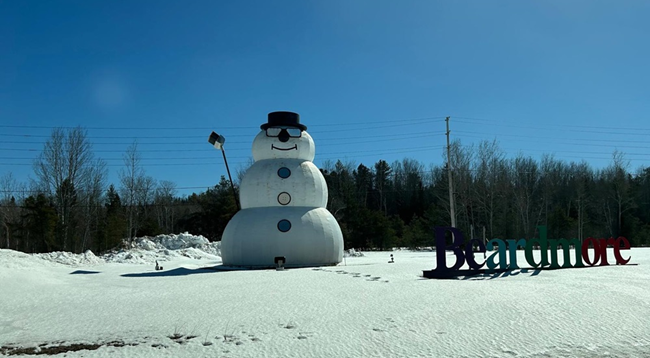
(283, 182)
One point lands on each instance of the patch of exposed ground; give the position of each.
(58, 348)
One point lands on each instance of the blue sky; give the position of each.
(371, 79)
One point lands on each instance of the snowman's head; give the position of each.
(283, 142)
(283, 137)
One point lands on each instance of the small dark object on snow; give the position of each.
(158, 267)
(391, 259)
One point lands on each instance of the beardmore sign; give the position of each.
(504, 255)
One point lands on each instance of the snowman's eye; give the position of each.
(273, 131)
(276, 131)
(294, 132)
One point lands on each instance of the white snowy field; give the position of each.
(119, 305)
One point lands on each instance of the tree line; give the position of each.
(69, 206)
(495, 197)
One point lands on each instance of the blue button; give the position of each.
(284, 225)
(284, 172)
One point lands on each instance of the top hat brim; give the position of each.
(284, 119)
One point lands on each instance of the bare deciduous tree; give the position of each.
(131, 179)
(526, 191)
(462, 158)
(63, 169)
(581, 178)
(490, 171)
(164, 205)
(145, 193)
(619, 191)
(11, 196)
(91, 199)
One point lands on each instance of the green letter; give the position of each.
(502, 254)
(543, 246)
(512, 248)
(566, 246)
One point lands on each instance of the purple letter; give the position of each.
(441, 248)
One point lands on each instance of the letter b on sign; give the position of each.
(456, 247)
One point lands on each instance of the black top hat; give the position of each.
(284, 119)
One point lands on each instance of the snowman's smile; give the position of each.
(295, 146)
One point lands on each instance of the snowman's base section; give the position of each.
(223, 268)
(253, 238)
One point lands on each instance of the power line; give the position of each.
(580, 129)
(217, 162)
(571, 141)
(389, 136)
(380, 138)
(501, 123)
(105, 137)
(135, 138)
(405, 120)
(345, 142)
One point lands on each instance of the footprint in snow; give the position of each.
(304, 335)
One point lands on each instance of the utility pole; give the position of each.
(451, 184)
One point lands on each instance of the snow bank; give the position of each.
(144, 250)
(180, 241)
(70, 259)
(352, 253)
(148, 250)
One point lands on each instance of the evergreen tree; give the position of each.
(217, 206)
(113, 231)
(39, 226)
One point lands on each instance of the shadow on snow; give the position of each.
(182, 271)
(83, 272)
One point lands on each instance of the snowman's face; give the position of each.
(297, 146)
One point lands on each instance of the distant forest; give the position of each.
(71, 207)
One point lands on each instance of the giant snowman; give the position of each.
(283, 197)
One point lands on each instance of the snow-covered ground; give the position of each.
(118, 305)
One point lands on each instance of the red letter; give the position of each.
(585, 251)
(617, 248)
(603, 250)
